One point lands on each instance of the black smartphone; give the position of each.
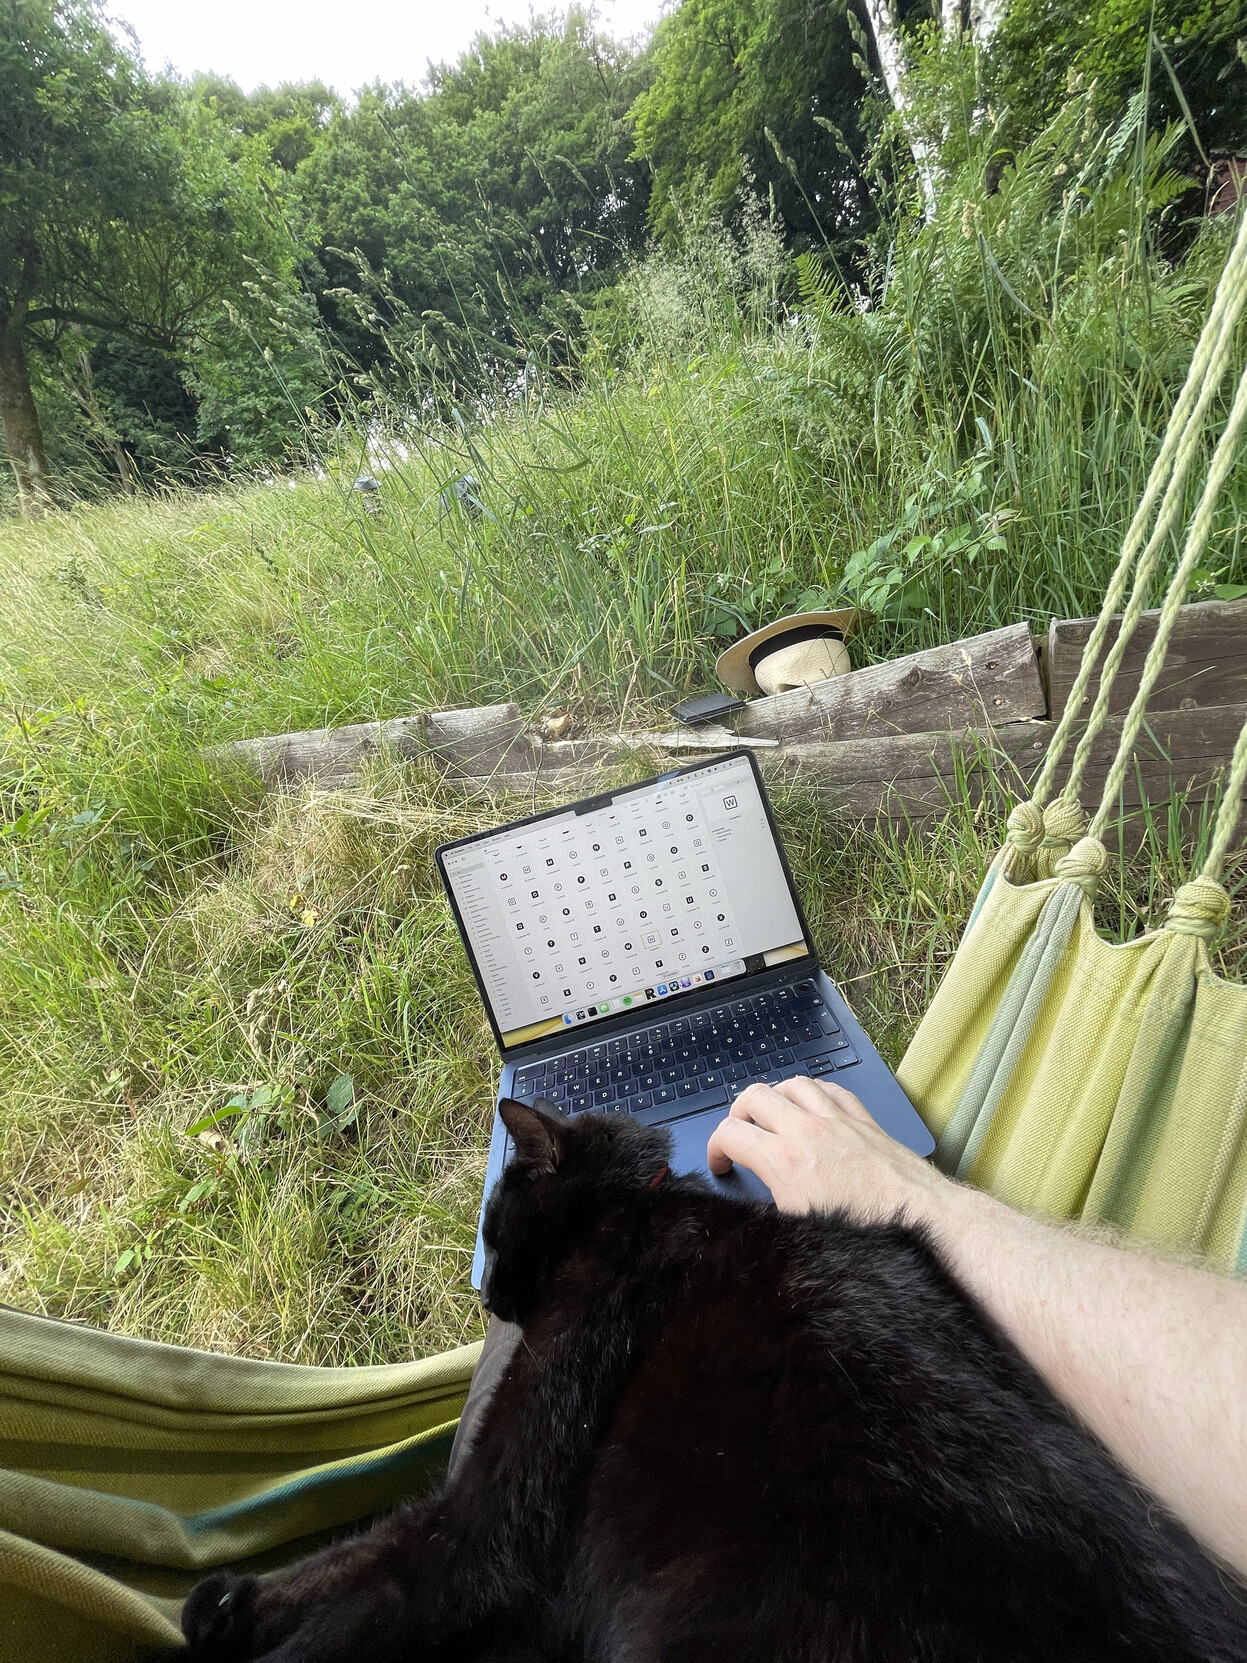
(707, 708)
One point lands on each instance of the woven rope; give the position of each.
(1180, 446)
(1231, 807)
(1084, 865)
(1196, 540)
(1200, 908)
(1166, 520)
(1064, 823)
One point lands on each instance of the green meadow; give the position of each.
(245, 1083)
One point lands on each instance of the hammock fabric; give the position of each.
(131, 1469)
(1067, 1075)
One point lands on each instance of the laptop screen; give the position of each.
(624, 901)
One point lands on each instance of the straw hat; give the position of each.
(817, 632)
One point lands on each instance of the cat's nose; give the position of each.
(487, 1280)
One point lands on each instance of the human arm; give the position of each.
(1151, 1356)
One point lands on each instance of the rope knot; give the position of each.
(1200, 908)
(1064, 823)
(1084, 865)
(1025, 828)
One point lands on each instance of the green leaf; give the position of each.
(234, 1107)
(1229, 591)
(341, 1108)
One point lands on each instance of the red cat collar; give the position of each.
(658, 1177)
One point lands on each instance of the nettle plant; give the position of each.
(943, 532)
(775, 592)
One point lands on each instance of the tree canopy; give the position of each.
(760, 94)
(504, 185)
(188, 269)
(123, 210)
(1047, 48)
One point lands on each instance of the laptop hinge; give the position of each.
(667, 1010)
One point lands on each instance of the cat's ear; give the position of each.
(538, 1137)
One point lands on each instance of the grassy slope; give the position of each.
(170, 941)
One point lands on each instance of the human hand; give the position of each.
(816, 1148)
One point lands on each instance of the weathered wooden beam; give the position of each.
(988, 680)
(915, 776)
(707, 738)
(467, 742)
(487, 739)
(912, 776)
(331, 756)
(854, 741)
(1206, 664)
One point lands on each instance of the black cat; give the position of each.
(733, 1435)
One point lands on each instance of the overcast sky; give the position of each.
(265, 42)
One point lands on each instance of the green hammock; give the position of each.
(1068, 1075)
(130, 1469)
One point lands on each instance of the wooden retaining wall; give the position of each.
(895, 740)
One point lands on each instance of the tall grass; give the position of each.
(246, 1084)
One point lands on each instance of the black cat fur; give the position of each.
(737, 1436)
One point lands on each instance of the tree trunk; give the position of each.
(23, 436)
(87, 400)
(893, 63)
(986, 17)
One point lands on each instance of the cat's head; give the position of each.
(565, 1174)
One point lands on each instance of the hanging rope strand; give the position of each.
(1196, 541)
(1181, 440)
(1228, 814)
(1168, 516)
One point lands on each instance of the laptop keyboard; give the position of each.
(694, 1062)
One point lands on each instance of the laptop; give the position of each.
(644, 952)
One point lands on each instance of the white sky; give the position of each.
(265, 42)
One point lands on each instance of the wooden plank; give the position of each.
(704, 737)
(989, 679)
(1206, 664)
(467, 742)
(331, 756)
(914, 776)
(1181, 753)
(482, 740)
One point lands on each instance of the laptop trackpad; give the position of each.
(688, 1154)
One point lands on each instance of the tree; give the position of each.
(122, 210)
(757, 90)
(544, 112)
(895, 69)
(452, 220)
(1046, 47)
(291, 119)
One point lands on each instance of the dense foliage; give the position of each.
(1185, 51)
(196, 279)
(762, 93)
(124, 217)
(466, 212)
